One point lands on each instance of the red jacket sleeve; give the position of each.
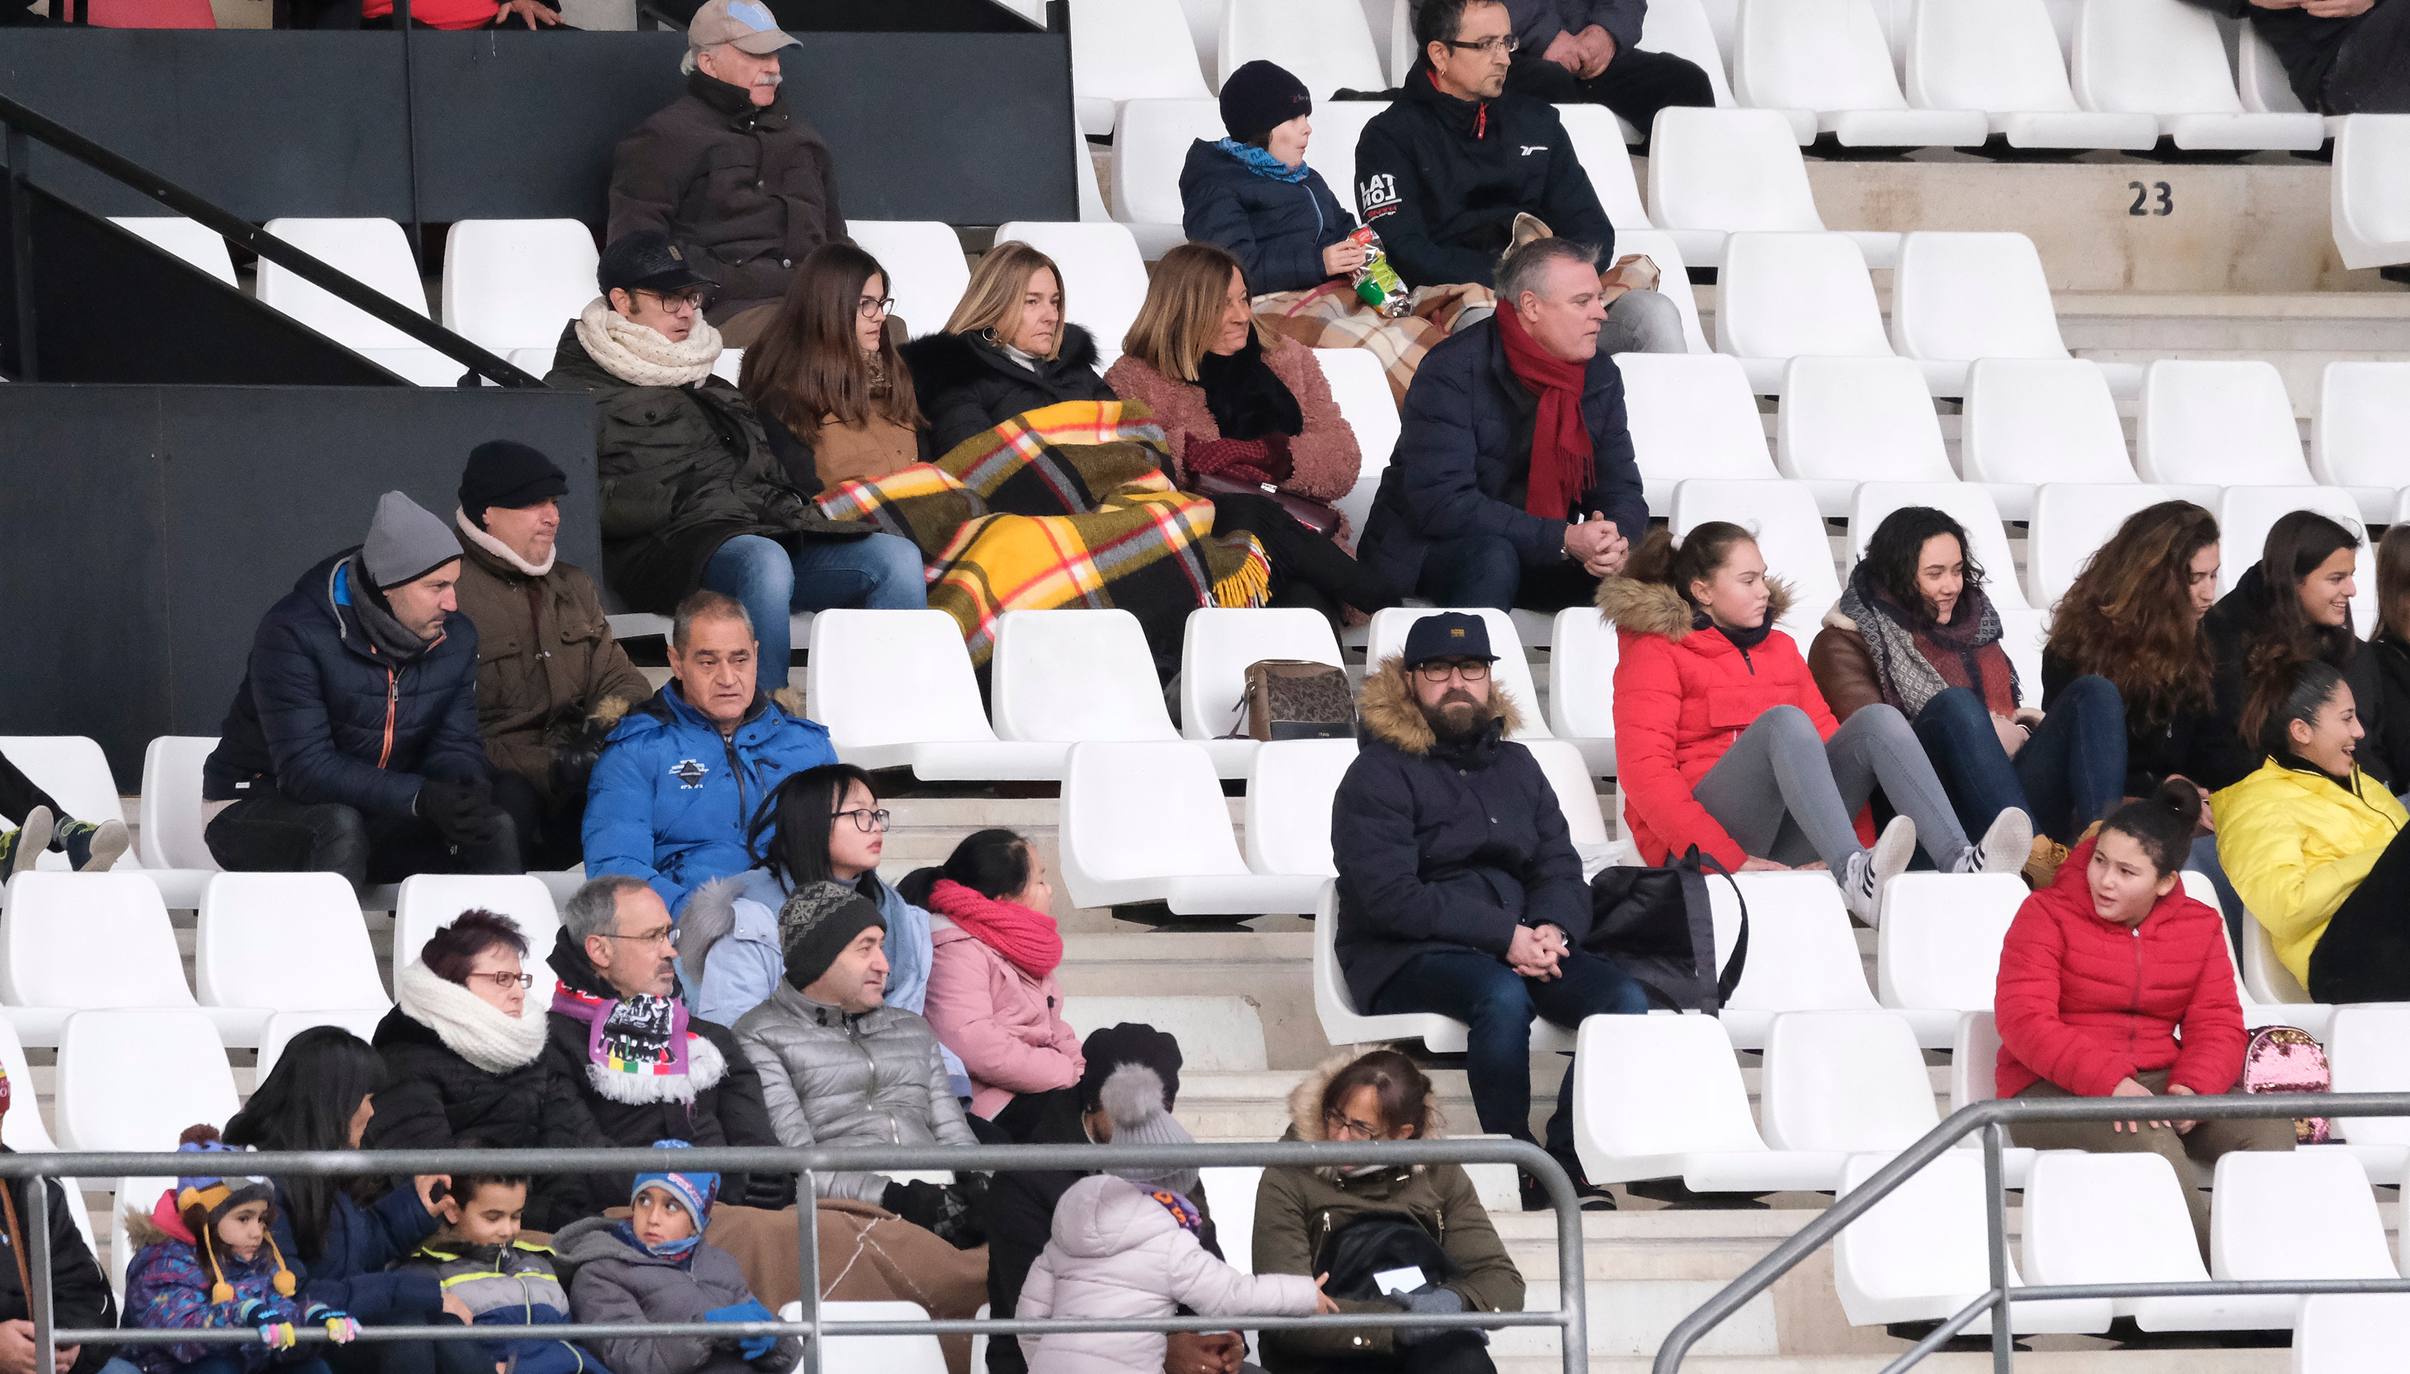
(2211, 1057)
(2027, 1001)
(1648, 705)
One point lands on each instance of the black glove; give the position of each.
(1435, 1301)
(945, 1210)
(462, 812)
(769, 1191)
(576, 744)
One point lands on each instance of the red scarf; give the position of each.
(1029, 939)
(1560, 441)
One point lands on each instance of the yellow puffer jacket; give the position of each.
(2295, 843)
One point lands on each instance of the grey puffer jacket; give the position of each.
(612, 1280)
(833, 1079)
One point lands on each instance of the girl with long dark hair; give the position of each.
(833, 392)
(2291, 607)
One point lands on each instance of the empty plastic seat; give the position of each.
(2031, 421)
(1938, 951)
(918, 1353)
(133, 1080)
(1217, 645)
(896, 690)
(1511, 674)
(1569, 776)
(1718, 172)
(2119, 1218)
(1850, 1082)
(169, 836)
(1826, 65)
(1324, 43)
(1128, 50)
(2246, 513)
(374, 252)
(1662, 1097)
(1971, 506)
(1803, 956)
(1923, 1252)
(1360, 386)
(1147, 822)
(1290, 784)
(1786, 296)
(186, 240)
(513, 283)
(1104, 279)
(2070, 523)
(1150, 147)
(1686, 29)
(1582, 654)
(2356, 442)
(2295, 1214)
(1338, 124)
(2346, 1333)
(2370, 191)
(1850, 420)
(1692, 415)
(2368, 1049)
(2217, 423)
(1599, 146)
(1974, 1060)
(78, 941)
(430, 901)
(926, 272)
(270, 942)
(2002, 57)
(1790, 533)
(2166, 58)
(1062, 676)
(282, 1026)
(1959, 297)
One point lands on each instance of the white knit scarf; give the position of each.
(469, 1026)
(509, 556)
(639, 355)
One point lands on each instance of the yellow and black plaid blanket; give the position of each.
(1066, 505)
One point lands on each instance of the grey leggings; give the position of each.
(1783, 794)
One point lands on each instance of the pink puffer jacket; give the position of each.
(1007, 1027)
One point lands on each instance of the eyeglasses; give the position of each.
(871, 307)
(680, 301)
(1487, 47)
(867, 820)
(1341, 1126)
(1440, 670)
(642, 937)
(507, 981)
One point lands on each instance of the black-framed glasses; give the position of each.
(1341, 1126)
(507, 981)
(674, 301)
(1440, 670)
(1487, 47)
(867, 819)
(659, 936)
(871, 307)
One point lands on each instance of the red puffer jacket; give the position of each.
(2084, 1003)
(1682, 696)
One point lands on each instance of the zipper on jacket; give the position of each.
(393, 698)
(2133, 1025)
(737, 771)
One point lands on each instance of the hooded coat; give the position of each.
(611, 1280)
(1007, 1026)
(1442, 846)
(671, 796)
(1298, 1210)
(2295, 843)
(168, 1286)
(1682, 696)
(1116, 1251)
(1276, 229)
(354, 1271)
(2086, 1004)
(506, 1286)
(967, 385)
(324, 716)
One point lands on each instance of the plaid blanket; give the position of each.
(1330, 316)
(1066, 505)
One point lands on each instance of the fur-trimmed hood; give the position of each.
(942, 362)
(1305, 1111)
(1389, 713)
(1655, 608)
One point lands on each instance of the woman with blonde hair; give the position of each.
(1007, 349)
(833, 393)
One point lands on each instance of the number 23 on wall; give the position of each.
(2151, 198)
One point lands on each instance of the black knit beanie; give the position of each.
(509, 474)
(1131, 1042)
(1260, 97)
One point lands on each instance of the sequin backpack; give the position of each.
(2288, 1059)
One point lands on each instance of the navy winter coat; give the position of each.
(1441, 848)
(322, 716)
(353, 1270)
(1463, 461)
(671, 797)
(1276, 229)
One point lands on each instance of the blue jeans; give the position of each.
(2070, 774)
(1498, 1003)
(879, 572)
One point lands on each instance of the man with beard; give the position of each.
(1459, 891)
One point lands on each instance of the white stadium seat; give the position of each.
(1974, 1060)
(1782, 296)
(1331, 149)
(2003, 58)
(2370, 190)
(840, 1354)
(1151, 140)
(78, 941)
(1938, 948)
(2166, 58)
(1685, 29)
(2268, 981)
(1673, 281)
(1128, 50)
(1335, 1008)
(1217, 645)
(2070, 523)
(1582, 652)
(1790, 533)
(1147, 822)
(270, 942)
(185, 239)
(133, 1080)
(1511, 674)
(1323, 43)
(2246, 513)
(1104, 279)
(1719, 172)
(1205, 30)
(21, 1130)
(132, 1193)
(2293, 1214)
(513, 283)
(1851, 1082)
(1360, 385)
(2033, 421)
(2347, 1333)
(926, 273)
(1576, 791)
(1697, 1125)
(1960, 297)
(169, 837)
(2368, 1051)
(74, 771)
(2217, 423)
(2356, 441)
(2260, 77)
(374, 252)
(1803, 955)
(1063, 676)
(2119, 1218)
(1922, 1253)
(1970, 506)
(1827, 66)
(283, 1026)
(906, 698)
(430, 901)
(1692, 415)
(1290, 784)
(1849, 420)
(1598, 145)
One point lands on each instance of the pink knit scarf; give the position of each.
(1030, 939)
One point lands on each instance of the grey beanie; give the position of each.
(1133, 1098)
(405, 543)
(817, 922)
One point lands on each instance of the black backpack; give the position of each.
(1377, 1244)
(1657, 925)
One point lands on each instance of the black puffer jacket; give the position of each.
(323, 716)
(79, 1294)
(968, 386)
(1276, 229)
(2224, 756)
(684, 470)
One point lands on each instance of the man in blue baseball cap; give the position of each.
(1459, 889)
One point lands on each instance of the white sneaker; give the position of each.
(2003, 849)
(1869, 871)
(32, 838)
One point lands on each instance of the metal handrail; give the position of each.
(22, 122)
(1569, 1317)
(1993, 1118)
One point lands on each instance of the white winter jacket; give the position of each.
(1117, 1252)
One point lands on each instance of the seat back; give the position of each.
(1104, 278)
(2369, 198)
(1068, 675)
(1150, 147)
(1673, 280)
(2220, 423)
(1230, 1191)
(1598, 145)
(512, 283)
(1360, 386)
(1730, 170)
(1290, 784)
(21, 1130)
(1323, 43)
(2151, 57)
(1132, 49)
(893, 677)
(1970, 505)
(73, 770)
(1338, 125)
(2070, 523)
(2107, 1218)
(1803, 955)
(1692, 415)
(1582, 653)
(1684, 29)
(926, 273)
(1511, 674)
(2260, 76)
(171, 802)
(1576, 792)
(1788, 295)
(1142, 810)
(2363, 412)
(2295, 1214)
(1813, 55)
(919, 1353)
(431, 901)
(2038, 420)
(89, 940)
(2368, 1051)
(1790, 533)
(2346, 1333)
(1986, 55)
(133, 1080)
(374, 251)
(1859, 419)
(1683, 1067)
(2247, 513)
(1959, 297)
(284, 942)
(1845, 1080)
(186, 240)
(1924, 1239)
(283, 1026)
(1974, 1059)
(1939, 945)
(1219, 643)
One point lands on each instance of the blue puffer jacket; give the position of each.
(1276, 229)
(671, 797)
(322, 716)
(353, 1269)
